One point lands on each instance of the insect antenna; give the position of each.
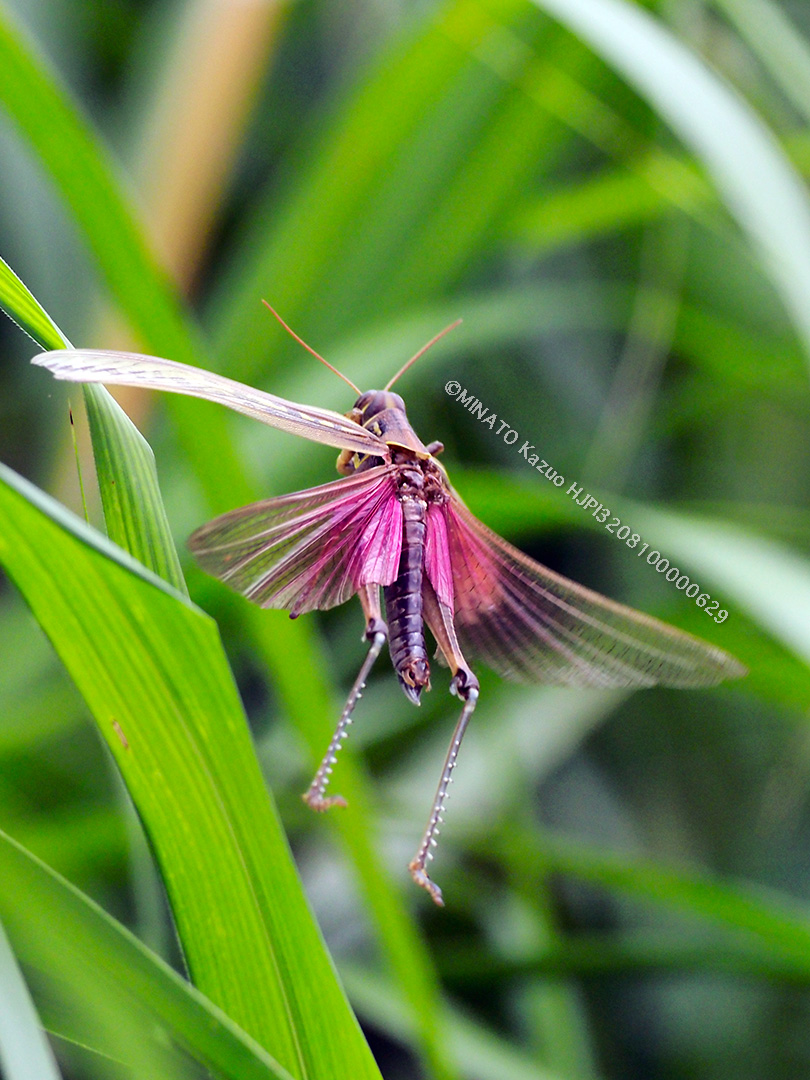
(309, 349)
(422, 352)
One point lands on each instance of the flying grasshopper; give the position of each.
(394, 523)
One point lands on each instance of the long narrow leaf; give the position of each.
(24, 1050)
(65, 143)
(133, 509)
(152, 670)
(85, 178)
(771, 35)
(62, 933)
(752, 172)
(776, 921)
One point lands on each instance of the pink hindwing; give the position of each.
(379, 547)
(527, 622)
(437, 555)
(309, 550)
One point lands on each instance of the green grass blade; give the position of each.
(618, 198)
(59, 931)
(22, 307)
(24, 1050)
(86, 179)
(752, 172)
(778, 922)
(133, 509)
(656, 952)
(770, 35)
(639, 189)
(446, 118)
(151, 668)
(482, 1053)
(65, 145)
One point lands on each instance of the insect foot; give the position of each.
(321, 803)
(419, 875)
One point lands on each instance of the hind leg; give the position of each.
(465, 685)
(425, 851)
(376, 632)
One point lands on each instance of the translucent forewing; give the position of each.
(312, 549)
(153, 373)
(528, 623)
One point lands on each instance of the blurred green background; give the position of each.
(628, 251)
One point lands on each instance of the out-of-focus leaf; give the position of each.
(770, 35)
(752, 172)
(766, 579)
(776, 921)
(449, 115)
(24, 1050)
(482, 1053)
(654, 952)
(617, 198)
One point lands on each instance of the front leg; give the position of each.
(376, 632)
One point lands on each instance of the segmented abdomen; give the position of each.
(403, 603)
